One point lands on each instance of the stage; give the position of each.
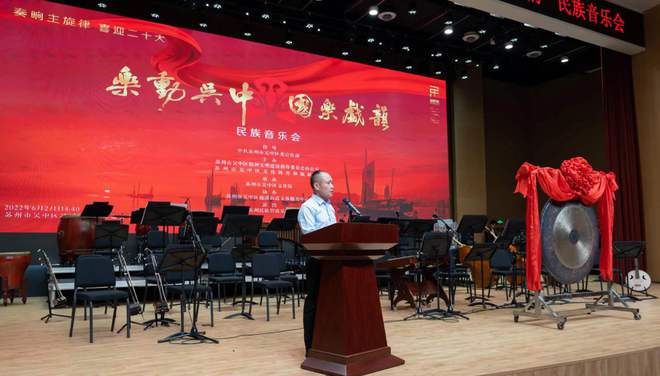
(490, 343)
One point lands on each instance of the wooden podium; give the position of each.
(349, 334)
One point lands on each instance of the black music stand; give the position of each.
(184, 259)
(205, 223)
(481, 252)
(97, 209)
(512, 230)
(630, 250)
(291, 214)
(233, 210)
(242, 226)
(110, 234)
(471, 224)
(162, 213)
(434, 246)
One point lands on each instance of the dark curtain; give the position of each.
(622, 145)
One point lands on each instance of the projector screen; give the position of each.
(97, 107)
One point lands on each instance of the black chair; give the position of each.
(268, 242)
(97, 272)
(222, 272)
(266, 268)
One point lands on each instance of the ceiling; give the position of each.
(637, 5)
(414, 41)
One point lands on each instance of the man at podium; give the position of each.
(315, 213)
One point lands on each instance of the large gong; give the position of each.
(570, 240)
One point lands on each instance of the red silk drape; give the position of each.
(574, 180)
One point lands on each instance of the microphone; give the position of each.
(350, 206)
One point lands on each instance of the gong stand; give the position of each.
(539, 308)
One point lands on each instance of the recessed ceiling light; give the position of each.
(482, 31)
(318, 29)
(247, 34)
(496, 67)
(378, 60)
(409, 67)
(406, 48)
(544, 46)
(448, 30)
(508, 45)
(247, 13)
(344, 53)
(564, 59)
(309, 25)
(370, 40)
(373, 10)
(289, 42)
(437, 73)
(265, 16)
(203, 24)
(217, 6)
(468, 61)
(412, 12)
(464, 77)
(449, 22)
(386, 16)
(155, 15)
(102, 5)
(284, 22)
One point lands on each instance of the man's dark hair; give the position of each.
(312, 178)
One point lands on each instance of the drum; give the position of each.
(12, 269)
(75, 236)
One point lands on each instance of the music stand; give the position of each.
(434, 246)
(291, 214)
(626, 250)
(481, 252)
(512, 228)
(163, 213)
(242, 226)
(97, 209)
(110, 234)
(206, 224)
(232, 210)
(471, 224)
(182, 259)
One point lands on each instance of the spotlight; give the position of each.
(309, 25)
(371, 40)
(284, 22)
(203, 24)
(449, 22)
(265, 16)
(247, 14)
(155, 15)
(406, 48)
(379, 60)
(448, 30)
(464, 76)
(373, 10)
(288, 42)
(508, 45)
(496, 67)
(217, 6)
(468, 61)
(564, 59)
(482, 31)
(412, 8)
(409, 67)
(544, 46)
(437, 73)
(102, 5)
(344, 53)
(318, 29)
(247, 34)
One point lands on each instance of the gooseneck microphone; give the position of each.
(350, 206)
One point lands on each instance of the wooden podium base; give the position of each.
(352, 365)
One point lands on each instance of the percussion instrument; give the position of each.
(12, 268)
(75, 237)
(570, 240)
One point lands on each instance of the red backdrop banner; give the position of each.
(104, 108)
(574, 180)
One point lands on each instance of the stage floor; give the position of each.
(611, 343)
